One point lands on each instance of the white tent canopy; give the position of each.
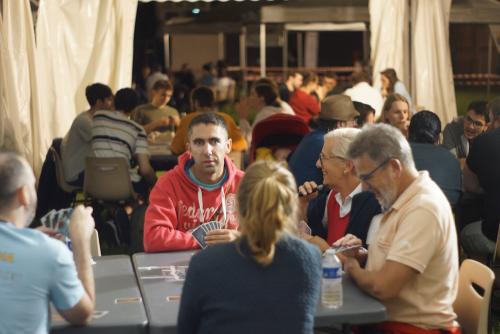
(83, 41)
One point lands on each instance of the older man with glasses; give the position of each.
(412, 263)
(341, 206)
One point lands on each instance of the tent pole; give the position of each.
(285, 52)
(262, 49)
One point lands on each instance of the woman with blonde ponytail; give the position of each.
(268, 280)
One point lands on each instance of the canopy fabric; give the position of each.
(80, 42)
(389, 38)
(19, 99)
(432, 86)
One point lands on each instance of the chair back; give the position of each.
(495, 261)
(471, 308)
(95, 247)
(107, 180)
(280, 130)
(61, 181)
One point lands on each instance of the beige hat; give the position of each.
(338, 108)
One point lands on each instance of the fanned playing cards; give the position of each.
(200, 231)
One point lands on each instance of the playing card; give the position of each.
(344, 248)
(64, 220)
(205, 227)
(53, 219)
(213, 225)
(199, 235)
(304, 229)
(45, 219)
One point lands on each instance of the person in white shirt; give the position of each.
(363, 92)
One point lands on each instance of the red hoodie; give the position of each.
(174, 209)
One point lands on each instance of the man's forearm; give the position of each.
(81, 255)
(365, 280)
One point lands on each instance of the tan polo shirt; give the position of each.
(419, 232)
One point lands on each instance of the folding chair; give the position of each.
(61, 181)
(107, 184)
(108, 180)
(471, 308)
(95, 247)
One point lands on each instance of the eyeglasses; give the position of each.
(368, 176)
(477, 124)
(322, 158)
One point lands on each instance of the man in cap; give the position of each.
(337, 111)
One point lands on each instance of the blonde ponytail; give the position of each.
(267, 200)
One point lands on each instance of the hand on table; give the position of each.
(221, 236)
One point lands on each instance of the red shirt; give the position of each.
(336, 225)
(304, 105)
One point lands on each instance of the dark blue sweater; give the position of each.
(227, 291)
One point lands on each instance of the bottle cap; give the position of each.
(330, 251)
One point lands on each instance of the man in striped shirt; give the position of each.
(115, 135)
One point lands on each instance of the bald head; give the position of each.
(14, 174)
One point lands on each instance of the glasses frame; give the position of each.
(476, 124)
(366, 177)
(323, 157)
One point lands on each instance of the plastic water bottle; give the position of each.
(331, 283)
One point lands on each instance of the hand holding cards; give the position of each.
(200, 232)
(58, 220)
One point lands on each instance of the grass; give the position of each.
(465, 95)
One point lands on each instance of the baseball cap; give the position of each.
(338, 107)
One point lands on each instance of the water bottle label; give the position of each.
(331, 272)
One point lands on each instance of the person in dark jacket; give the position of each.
(442, 165)
(343, 207)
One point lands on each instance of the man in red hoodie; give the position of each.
(201, 188)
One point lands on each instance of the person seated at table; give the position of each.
(34, 268)
(342, 207)
(396, 112)
(263, 99)
(157, 115)
(442, 165)
(115, 135)
(459, 134)
(412, 264)
(76, 144)
(201, 188)
(244, 282)
(203, 101)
